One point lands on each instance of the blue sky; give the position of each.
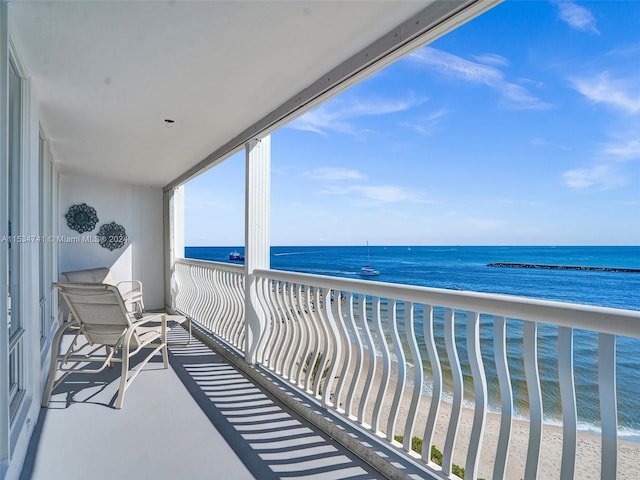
(521, 127)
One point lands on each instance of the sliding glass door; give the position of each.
(16, 331)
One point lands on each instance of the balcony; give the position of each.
(114, 106)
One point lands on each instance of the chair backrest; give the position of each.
(99, 311)
(91, 275)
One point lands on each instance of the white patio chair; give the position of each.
(103, 331)
(131, 290)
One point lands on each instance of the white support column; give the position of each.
(257, 236)
(174, 239)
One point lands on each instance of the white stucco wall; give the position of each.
(139, 210)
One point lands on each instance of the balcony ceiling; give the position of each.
(108, 74)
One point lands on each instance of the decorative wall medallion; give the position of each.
(82, 218)
(112, 236)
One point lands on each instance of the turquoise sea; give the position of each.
(465, 268)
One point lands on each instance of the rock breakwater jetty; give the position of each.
(564, 267)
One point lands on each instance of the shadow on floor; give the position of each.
(267, 439)
(272, 442)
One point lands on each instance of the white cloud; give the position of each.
(386, 193)
(577, 17)
(335, 173)
(600, 176)
(609, 169)
(616, 93)
(514, 95)
(626, 150)
(465, 69)
(426, 125)
(366, 195)
(334, 114)
(492, 59)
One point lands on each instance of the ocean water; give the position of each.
(465, 268)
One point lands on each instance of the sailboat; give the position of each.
(367, 270)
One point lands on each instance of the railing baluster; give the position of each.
(178, 286)
(227, 305)
(325, 344)
(278, 322)
(386, 363)
(480, 393)
(230, 311)
(260, 345)
(608, 404)
(436, 369)
(568, 400)
(217, 319)
(334, 346)
(357, 344)
(283, 328)
(294, 336)
(418, 375)
(190, 290)
(506, 397)
(201, 304)
(306, 323)
(209, 310)
(346, 348)
(401, 381)
(371, 370)
(530, 354)
(196, 304)
(303, 339)
(312, 358)
(268, 288)
(236, 334)
(458, 391)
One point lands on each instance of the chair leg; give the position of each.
(55, 350)
(163, 339)
(123, 376)
(165, 356)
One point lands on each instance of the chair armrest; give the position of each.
(154, 317)
(132, 296)
(135, 325)
(136, 284)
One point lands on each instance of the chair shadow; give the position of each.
(97, 388)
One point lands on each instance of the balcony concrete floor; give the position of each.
(200, 419)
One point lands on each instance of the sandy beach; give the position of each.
(587, 451)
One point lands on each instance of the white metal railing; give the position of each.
(355, 346)
(213, 295)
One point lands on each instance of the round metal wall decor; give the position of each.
(82, 218)
(112, 236)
